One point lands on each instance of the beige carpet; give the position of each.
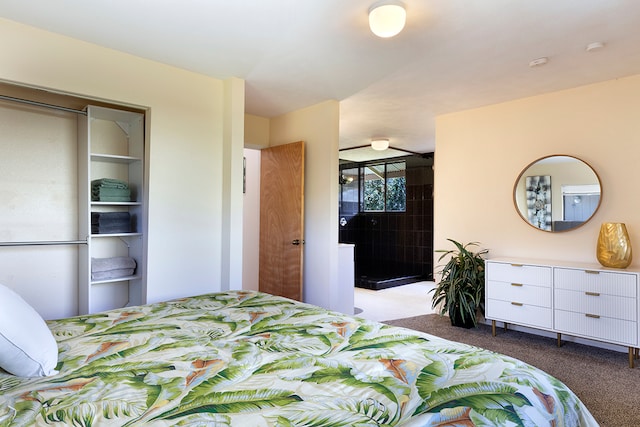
(601, 378)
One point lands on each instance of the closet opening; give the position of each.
(51, 150)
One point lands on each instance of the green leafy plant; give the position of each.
(460, 292)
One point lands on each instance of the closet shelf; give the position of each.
(115, 203)
(112, 158)
(115, 280)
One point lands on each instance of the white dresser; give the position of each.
(582, 300)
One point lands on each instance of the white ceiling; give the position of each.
(453, 54)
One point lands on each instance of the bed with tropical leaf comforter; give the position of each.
(252, 359)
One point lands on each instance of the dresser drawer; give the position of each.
(603, 282)
(518, 273)
(527, 315)
(517, 292)
(598, 304)
(604, 328)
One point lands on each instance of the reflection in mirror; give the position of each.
(557, 193)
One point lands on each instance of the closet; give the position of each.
(52, 147)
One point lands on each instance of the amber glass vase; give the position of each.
(614, 246)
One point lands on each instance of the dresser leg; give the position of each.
(493, 328)
(559, 339)
(631, 352)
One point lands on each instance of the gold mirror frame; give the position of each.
(557, 193)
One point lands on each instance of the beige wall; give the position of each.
(232, 197)
(251, 222)
(318, 127)
(256, 137)
(481, 152)
(256, 131)
(193, 118)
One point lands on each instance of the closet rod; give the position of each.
(42, 104)
(45, 243)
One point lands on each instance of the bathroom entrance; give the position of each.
(386, 210)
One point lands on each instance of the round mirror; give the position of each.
(557, 193)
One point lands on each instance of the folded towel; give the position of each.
(109, 183)
(111, 229)
(109, 217)
(110, 222)
(112, 263)
(101, 193)
(113, 274)
(110, 191)
(111, 199)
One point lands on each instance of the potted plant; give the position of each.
(460, 292)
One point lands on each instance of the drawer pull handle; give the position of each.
(516, 284)
(591, 272)
(519, 304)
(517, 265)
(593, 316)
(592, 294)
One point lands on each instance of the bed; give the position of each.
(243, 358)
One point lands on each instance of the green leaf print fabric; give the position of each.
(243, 358)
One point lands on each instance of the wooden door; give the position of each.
(282, 220)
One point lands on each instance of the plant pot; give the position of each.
(456, 319)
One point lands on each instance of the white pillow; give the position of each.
(27, 346)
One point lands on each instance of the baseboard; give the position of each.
(384, 283)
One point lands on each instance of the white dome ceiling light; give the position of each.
(380, 144)
(387, 18)
(538, 62)
(591, 47)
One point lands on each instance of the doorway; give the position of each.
(282, 220)
(393, 240)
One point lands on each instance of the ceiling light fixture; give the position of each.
(594, 46)
(379, 144)
(538, 62)
(387, 18)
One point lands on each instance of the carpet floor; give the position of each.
(601, 378)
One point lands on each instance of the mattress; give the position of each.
(242, 358)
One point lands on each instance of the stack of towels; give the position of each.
(112, 268)
(110, 222)
(110, 190)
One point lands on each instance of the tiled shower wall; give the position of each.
(395, 244)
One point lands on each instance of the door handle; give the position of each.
(296, 242)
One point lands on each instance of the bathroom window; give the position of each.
(384, 187)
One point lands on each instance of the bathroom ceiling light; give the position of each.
(387, 18)
(379, 144)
